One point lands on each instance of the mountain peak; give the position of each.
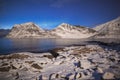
(64, 24)
(118, 18)
(28, 23)
(28, 29)
(25, 24)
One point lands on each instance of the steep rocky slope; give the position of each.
(65, 30)
(25, 30)
(109, 29)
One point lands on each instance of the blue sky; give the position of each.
(50, 13)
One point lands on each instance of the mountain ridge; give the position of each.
(64, 30)
(110, 29)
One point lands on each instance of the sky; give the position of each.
(48, 14)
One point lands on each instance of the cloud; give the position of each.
(60, 3)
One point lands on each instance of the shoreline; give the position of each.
(62, 46)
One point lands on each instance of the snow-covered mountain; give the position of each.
(109, 29)
(31, 30)
(65, 30)
(25, 30)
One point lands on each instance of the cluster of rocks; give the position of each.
(69, 63)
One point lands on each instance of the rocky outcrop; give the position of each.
(97, 63)
(109, 29)
(65, 30)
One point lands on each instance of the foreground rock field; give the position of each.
(70, 63)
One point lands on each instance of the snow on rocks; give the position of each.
(108, 75)
(78, 76)
(72, 63)
(85, 64)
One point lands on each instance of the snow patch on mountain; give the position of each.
(69, 31)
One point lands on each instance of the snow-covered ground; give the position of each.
(69, 63)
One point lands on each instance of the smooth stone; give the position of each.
(85, 64)
(108, 75)
(99, 70)
(78, 75)
(71, 77)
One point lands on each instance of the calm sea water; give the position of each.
(8, 46)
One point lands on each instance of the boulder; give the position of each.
(72, 76)
(16, 65)
(108, 75)
(100, 70)
(85, 64)
(43, 77)
(78, 75)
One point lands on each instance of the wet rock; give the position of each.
(55, 51)
(108, 75)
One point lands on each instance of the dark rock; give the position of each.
(5, 69)
(36, 66)
(49, 56)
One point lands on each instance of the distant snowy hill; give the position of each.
(109, 29)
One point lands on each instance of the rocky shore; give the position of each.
(94, 62)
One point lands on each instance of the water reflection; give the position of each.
(38, 45)
(34, 45)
